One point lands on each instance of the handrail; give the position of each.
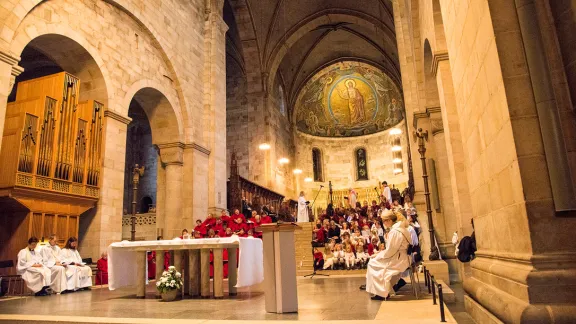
(432, 285)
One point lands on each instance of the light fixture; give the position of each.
(396, 148)
(396, 160)
(397, 170)
(395, 131)
(283, 161)
(264, 146)
(297, 171)
(308, 180)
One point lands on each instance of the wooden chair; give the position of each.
(14, 281)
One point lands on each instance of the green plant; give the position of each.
(170, 280)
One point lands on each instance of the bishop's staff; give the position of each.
(136, 174)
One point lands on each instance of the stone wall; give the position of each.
(237, 121)
(339, 162)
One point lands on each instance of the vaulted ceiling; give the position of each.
(296, 38)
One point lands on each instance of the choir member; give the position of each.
(237, 215)
(238, 224)
(32, 269)
(265, 219)
(102, 266)
(50, 257)
(318, 260)
(70, 256)
(185, 235)
(218, 227)
(224, 217)
(228, 232)
(151, 258)
(199, 227)
(209, 221)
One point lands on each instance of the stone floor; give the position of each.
(321, 298)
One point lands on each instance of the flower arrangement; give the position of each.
(170, 280)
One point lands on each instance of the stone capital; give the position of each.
(172, 153)
(436, 126)
(436, 59)
(425, 114)
(12, 60)
(116, 116)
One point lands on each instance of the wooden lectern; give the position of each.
(280, 267)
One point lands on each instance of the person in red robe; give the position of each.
(255, 222)
(199, 227)
(265, 219)
(237, 215)
(224, 217)
(228, 232)
(102, 265)
(238, 224)
(218, 227)
(166, 255)
(151, 256)
(209, 221)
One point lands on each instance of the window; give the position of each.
(282, 101)
(361, 165)
(317, 165)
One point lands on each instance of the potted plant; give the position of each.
(169, 284)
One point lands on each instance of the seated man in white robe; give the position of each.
(72, 259)
(386, 267)
(51, 258)
(33, 272)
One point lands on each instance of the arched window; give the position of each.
(361, 165)
(317, 165)
(282, 100)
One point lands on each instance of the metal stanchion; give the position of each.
(441, 302)
(433, 290)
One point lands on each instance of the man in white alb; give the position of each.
(31, 268)
(51, 258)
(70, 256)
(302, 209)
(387, 193)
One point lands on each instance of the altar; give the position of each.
(192, 257)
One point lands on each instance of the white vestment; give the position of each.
(302, 210)
(387, 194)
(59, 281)
(385, 269)
(353, 198)
(82, 272)
(36, 278)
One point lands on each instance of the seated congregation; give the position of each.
(50, 269)
(380, 238)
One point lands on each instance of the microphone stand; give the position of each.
(379, 197)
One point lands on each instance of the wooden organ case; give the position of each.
(51, 161)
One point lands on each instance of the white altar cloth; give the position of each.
(122, 258)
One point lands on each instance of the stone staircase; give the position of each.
(303, 246)
(304, 258)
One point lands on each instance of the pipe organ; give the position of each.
(51, 161)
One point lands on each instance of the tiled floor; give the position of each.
(332, 298)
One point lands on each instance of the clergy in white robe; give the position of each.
(51, 258)
(386, 267)
(302, 209)
(353, 198)
(387, 193)
(30, 266)
(71, 257)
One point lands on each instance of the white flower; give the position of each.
(158, 284)
(165, 273)
(164, 280)
(173, 282)
(178, 275)
(171, 267)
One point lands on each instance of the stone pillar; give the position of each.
(444, 217)
(200, 173)
(171, 156)
(9, 70)
(215, 103)
(102, 225)
(454, 147)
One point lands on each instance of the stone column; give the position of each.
(9, 70)
(171, 155)
(454, 147)
(102, 225)
(200, 175)
(215, 103)
(444, 217)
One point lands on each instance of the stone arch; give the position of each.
(74, 55)
(324, 17)
(15, 17)
(164, 122)
(439, 36)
